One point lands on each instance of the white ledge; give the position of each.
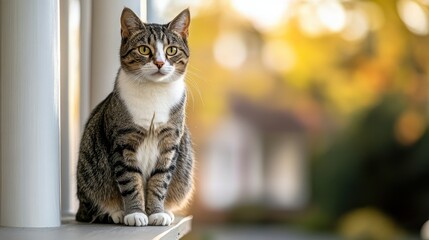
(72, 230)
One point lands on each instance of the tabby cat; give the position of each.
(136, 162)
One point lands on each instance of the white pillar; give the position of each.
(29, 93)
(106, 41)
(70, 101)
(64, 93)
(85, 60)
(154, 12)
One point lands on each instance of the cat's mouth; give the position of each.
(159, 74)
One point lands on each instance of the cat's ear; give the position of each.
(180, 23)
(130, 23)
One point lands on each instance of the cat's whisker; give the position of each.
(189, 71)
(193, 99)
(137, 75)
(195, 75)
(195, 68)
(189, 90)
(195, 86)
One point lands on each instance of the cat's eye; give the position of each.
(171, 51)
(143, 50)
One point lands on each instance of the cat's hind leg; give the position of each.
(117, 216)
(86, 212)
(114, 210)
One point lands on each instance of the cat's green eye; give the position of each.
(143, 50)
(171, 51)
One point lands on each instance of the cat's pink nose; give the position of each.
(159, 64)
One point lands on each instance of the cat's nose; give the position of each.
(159, 64)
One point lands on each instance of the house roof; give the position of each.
(265, 117)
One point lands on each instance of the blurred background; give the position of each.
(312, 115)
(309, 118)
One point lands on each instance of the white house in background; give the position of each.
(255, 156)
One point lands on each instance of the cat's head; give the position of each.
(154, 52)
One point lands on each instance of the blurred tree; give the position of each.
(362, 98)
(367, 165)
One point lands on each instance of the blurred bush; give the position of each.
(370, 164)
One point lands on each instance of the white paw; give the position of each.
(171, 215)
(160, 219)
(118, 217)
(136, 219)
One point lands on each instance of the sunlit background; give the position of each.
(309, 118)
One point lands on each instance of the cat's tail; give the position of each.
(85, 212)
(89, 213)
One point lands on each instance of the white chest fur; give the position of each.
(143, 100)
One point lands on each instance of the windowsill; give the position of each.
(71, 230)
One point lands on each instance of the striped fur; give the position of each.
(136, 161)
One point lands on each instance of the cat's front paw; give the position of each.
(117, 217)
(160, 219)
(171, 214)
(136, 219)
